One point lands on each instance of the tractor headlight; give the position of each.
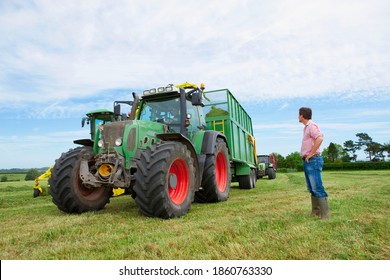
(118, 142)
(100, 143)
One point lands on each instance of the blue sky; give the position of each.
(61, 59)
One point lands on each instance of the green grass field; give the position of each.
(270, 222)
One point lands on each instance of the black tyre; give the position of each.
(271, 173)
(36, 193)
(216, 175)
(67, 190)
(247, 181)
(165, 180)
(254, 178)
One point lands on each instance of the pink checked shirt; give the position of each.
(311, 131)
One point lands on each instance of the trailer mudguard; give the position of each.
(242, 168)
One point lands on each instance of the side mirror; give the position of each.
(117, 109)
(85, 119)
(197, 98)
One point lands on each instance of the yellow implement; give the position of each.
(38, 191)
(37, 188)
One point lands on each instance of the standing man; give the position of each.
(313, 163)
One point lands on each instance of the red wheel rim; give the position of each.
(221, 172)
(178, 181)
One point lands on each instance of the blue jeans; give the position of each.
(313, 174)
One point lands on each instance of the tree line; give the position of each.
(336, 153)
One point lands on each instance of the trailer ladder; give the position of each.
(221, 123)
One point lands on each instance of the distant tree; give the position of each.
(333, 153)
(386, 148)
(351, 147)
(280, 160)
(293, 160)
(365, 140)
(325, 155)
(343, 156)
(32, 174)
(4, 178)
(377, 151)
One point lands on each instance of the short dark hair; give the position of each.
(305, 112)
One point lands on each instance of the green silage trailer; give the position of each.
(225, 114)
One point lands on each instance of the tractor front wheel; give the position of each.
(165, 180)
(67, 190)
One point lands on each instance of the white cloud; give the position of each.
(361, 126)
(62, 60)
(281, 49)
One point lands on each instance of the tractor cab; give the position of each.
(177, 107)
(100, 117)
(95, 119)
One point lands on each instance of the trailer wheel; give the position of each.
(216, 175)
(66, 187)
(165, 180)
(254, 178)
(247, 181)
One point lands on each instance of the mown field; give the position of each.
(270, 222)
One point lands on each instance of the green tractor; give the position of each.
(161, 153)
(100, 117)
(266, 166)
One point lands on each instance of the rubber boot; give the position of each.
(315, 207)
(323, 202)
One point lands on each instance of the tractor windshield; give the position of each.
(165, 111)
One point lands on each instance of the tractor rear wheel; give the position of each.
(216, 175)
(165, 180)
(67, 190)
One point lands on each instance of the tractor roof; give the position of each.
(101, 112)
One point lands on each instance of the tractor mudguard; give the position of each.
(84, 142)
(209, 140)
(208, 146)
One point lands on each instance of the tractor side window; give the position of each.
(202, 120)
(95, 126)
(196, 119)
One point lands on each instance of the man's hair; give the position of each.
(305, 112)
